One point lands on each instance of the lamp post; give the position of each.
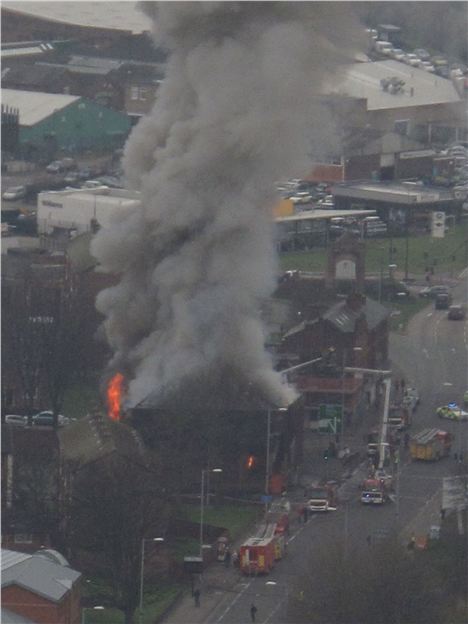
(202, 503)
(142, 569)
(267, 463)
(84, 609)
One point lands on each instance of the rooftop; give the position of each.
(410, 194)
(34, 106)
(122, 16)
(421, 88)
(37, 574)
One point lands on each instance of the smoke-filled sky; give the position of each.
(236, 111)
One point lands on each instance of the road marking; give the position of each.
(447, 383)
(429, 315)
(426, 352)
(232, 603)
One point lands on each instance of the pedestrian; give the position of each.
(407, 439)
(402, 385)
(227, 557)
(253, 612)
(235, 559)
(397, 386)
(442, 513)
(306, 514)
(196, 597)
(369, 540)
(412, 543)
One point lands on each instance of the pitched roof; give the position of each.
(37, 574)
(123, 16)
(344, 318)
(95, 437)
(34, 106)
(421, 88)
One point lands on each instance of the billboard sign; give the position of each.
(438, 224)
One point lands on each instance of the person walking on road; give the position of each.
(253, 612)
(196, 597)
(227, 557)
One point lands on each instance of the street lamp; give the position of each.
(142, 569)
(202, 503)
(84, 609)
(267, 463)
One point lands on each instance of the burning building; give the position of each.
(236, 111)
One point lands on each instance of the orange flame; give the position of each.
(114, 396)
(250, 462)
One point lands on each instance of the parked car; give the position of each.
(46, 419)
(428, 66)
(413, 60)
(398, 54)
(16, 420)
(456, 313)
(384, 47)
(13, 193)
(71, 177)
(55, 166)
(422, 53)
(432, 291)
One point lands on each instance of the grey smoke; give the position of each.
(236, 112)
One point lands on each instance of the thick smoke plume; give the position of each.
(233, 115)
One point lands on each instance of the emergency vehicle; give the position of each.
(375, 491)
(430, 445)
(322, 497)
(258, 554)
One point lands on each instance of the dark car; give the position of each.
(442, 301)
(431, 292)
(456, 313)
(387, 288)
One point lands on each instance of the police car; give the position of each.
(452, 412)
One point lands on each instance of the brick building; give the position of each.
(40, 587)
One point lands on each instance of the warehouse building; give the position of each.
(49, 123)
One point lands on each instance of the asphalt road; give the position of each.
(433, 356)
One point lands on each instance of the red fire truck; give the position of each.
(258, 555)
(375, 491)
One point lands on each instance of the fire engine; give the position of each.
(258, 554)
(322, 497)
(430, 444)
(375, 490)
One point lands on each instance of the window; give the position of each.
(23, 538)
(401, 126)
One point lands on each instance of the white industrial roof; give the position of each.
(116, 15)
(37, 574)
(421, 88)
(35, 106)
(310, 215)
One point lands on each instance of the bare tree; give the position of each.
(115, 503)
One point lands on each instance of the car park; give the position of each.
(456, 313)
(13, 193)
(452, 412)
(16, 420)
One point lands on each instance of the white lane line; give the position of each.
(426, 352)
(429, 315)
(232, 603)
(447, 383)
